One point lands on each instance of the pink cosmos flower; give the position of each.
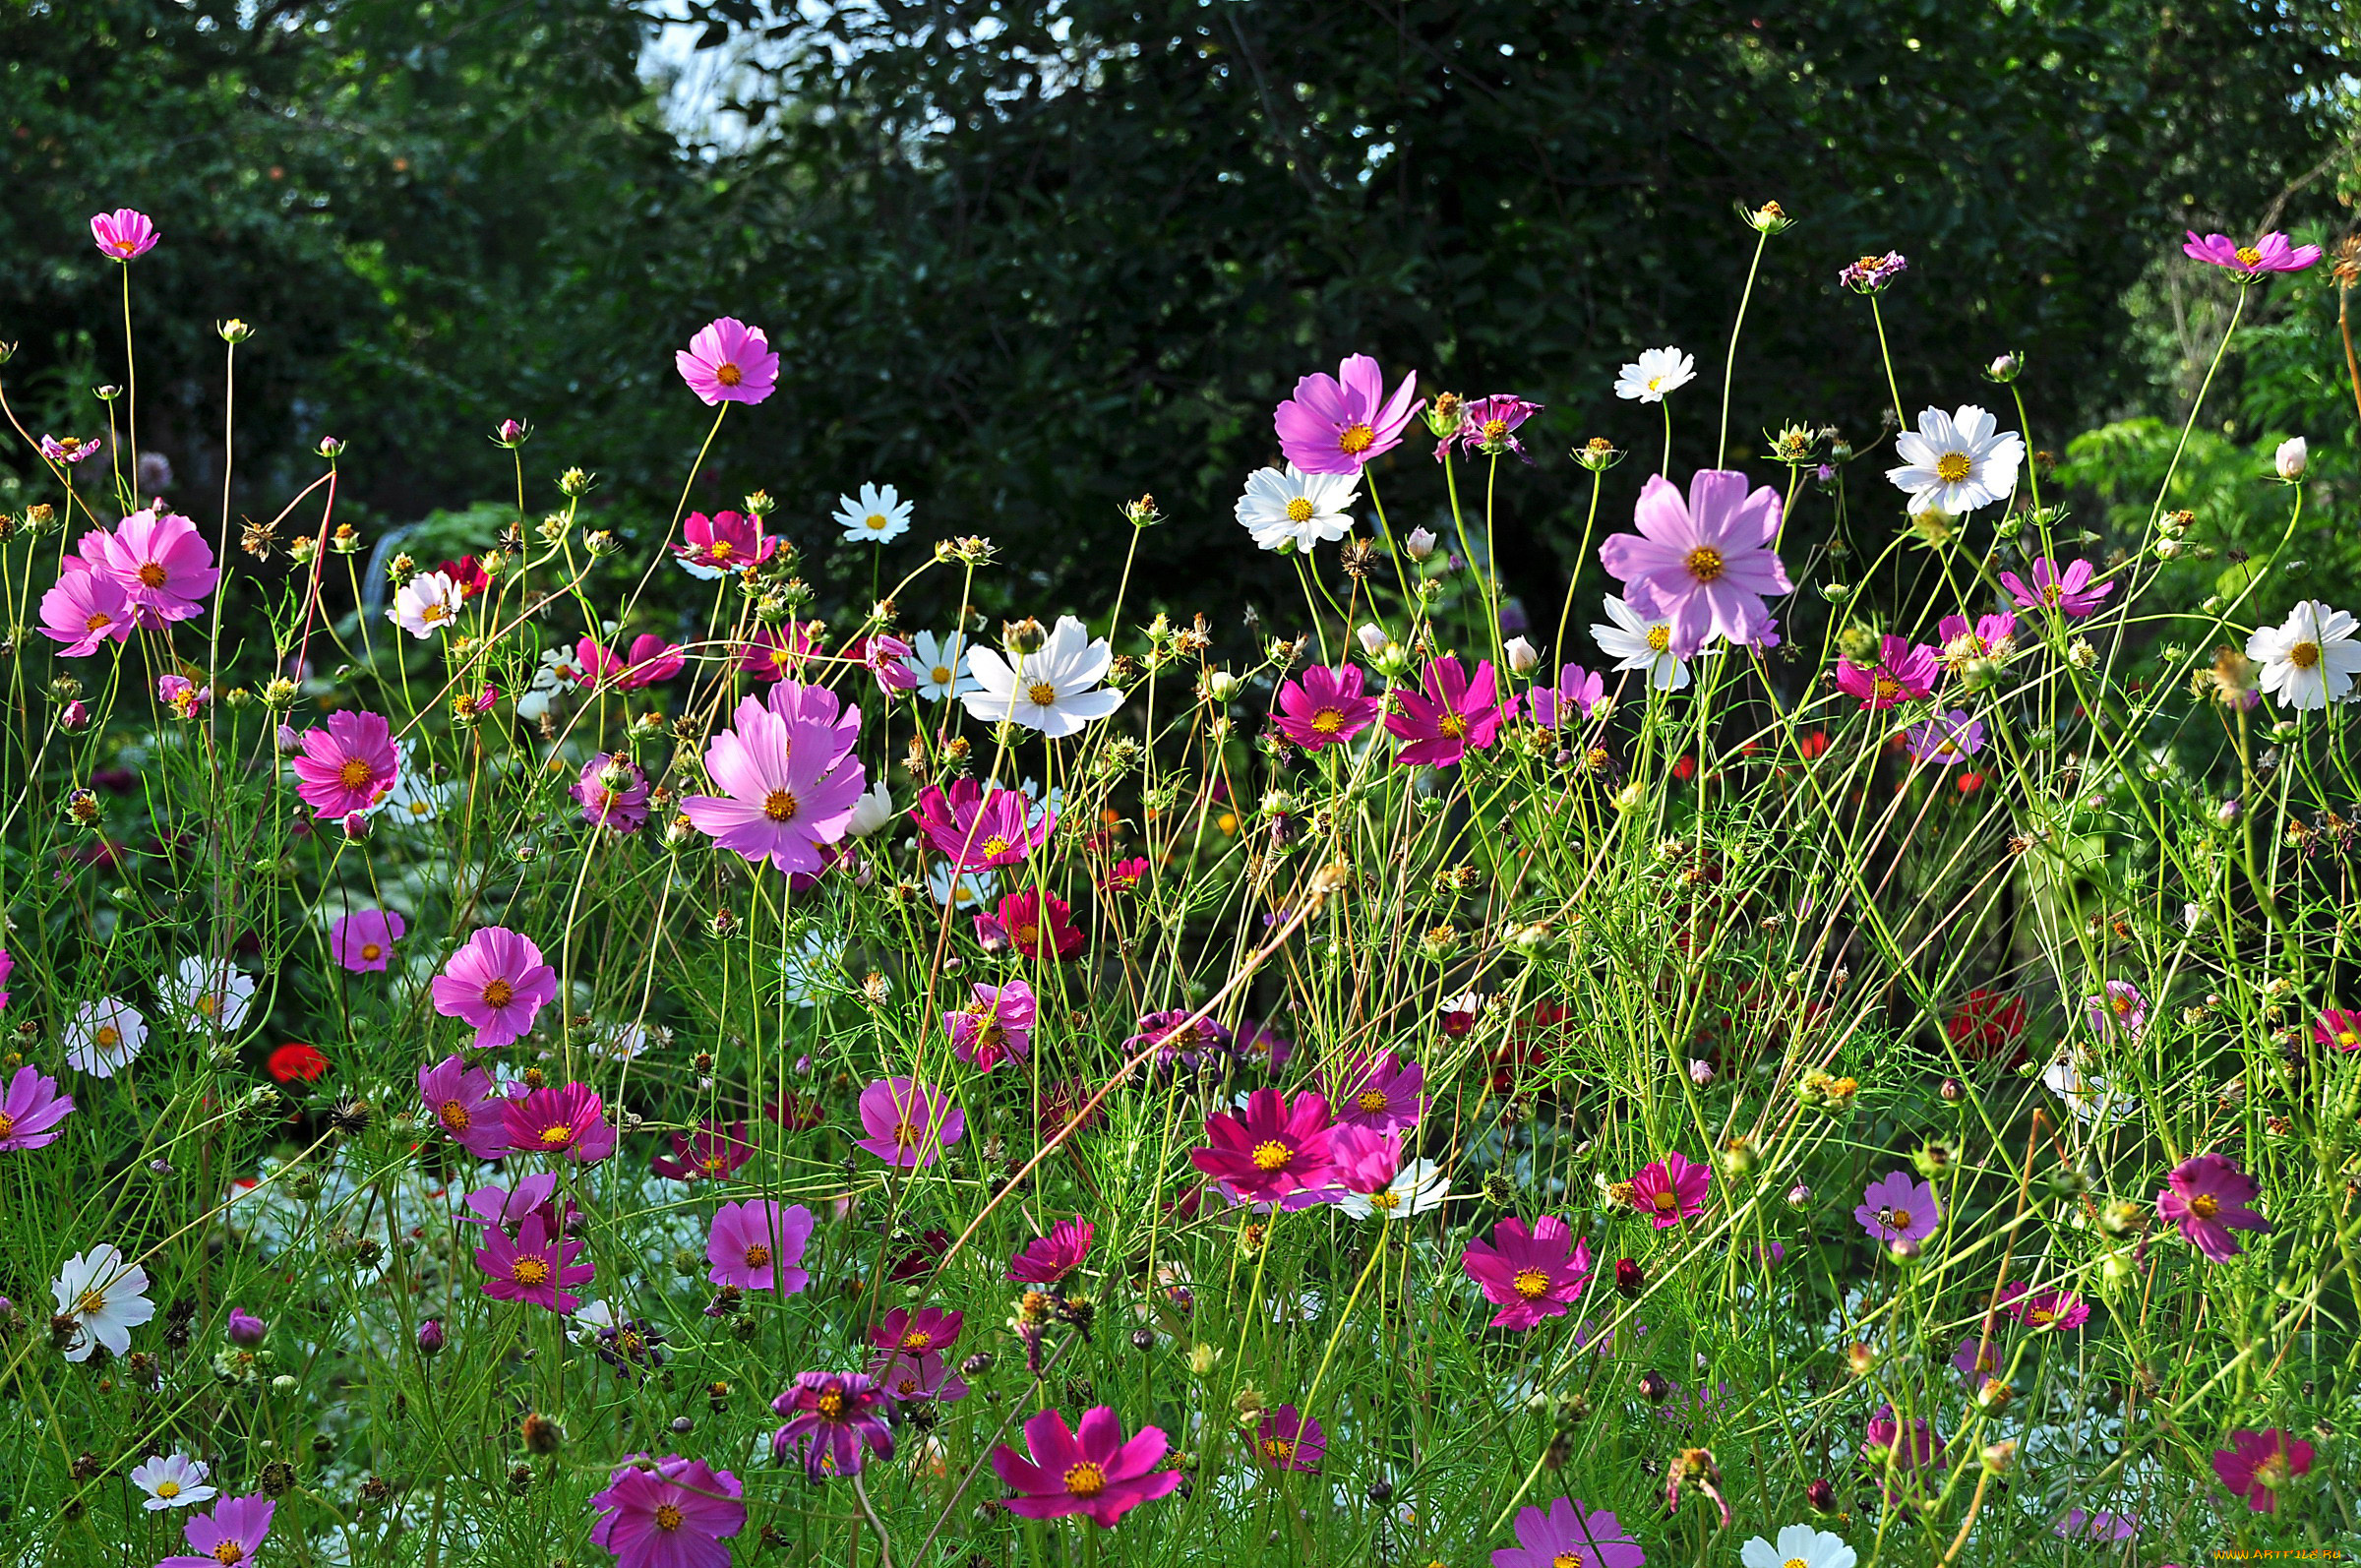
(907, 1378)
(1125, 876)
(1905, 1446)
(2270, 253)
(1335, 425)
(1570, 1536)
(974, 827)
(1448, 716)
(613, 793)
(1048, 1260)
(127, 232)
(1529, 1274)
(2337, 1029)
(534, 1267)
(713, 1153)
(496, 983)
(1904, 673)
(1978, 1358)
(831, 1417)
(1898, 1209)
(570, 1120)
(909, 1124)
(1872, 274)
(184, 696)
(1087, 1469)
(1287, 1440)
(2079, 1525)
(229, 1535)
(1380, 1093)
(30, 1109)
(1706, 564)
(2257, 1465)
(1323, 707)
(668, 1512)
(2047, 1310)
(728, 362)
(363, 941)
(2069, 592)
(1671, 1190)
(776, 653)
(998, 1022)
(1945, 738)
(791, 789)
(928, 1331)
(725, 542)
(159, 560)
(1182, 1039)
(1489, 425)
(84, 608)
(888, 658)
(1991, 636)
(2117, 1008)
(506, 1209)
(71, 448)
(1575, 695)
(1022, 920)
(1276, 1148)
(2208, 1197)
(466, 1104)
(347, 765)
(650, 660)
(756, 1245)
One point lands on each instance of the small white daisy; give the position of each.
(175, 1480)
(1638, 643)
(1291, 510)
(1416, 1188)
(104, 1037)
(560, 671)
(2309, 659)
(1799, 1547)
(426, 604)
(1054, 689)
(106, 1295)
(206, 995)
(877, 514)
(1656, 371)
(940, 665)
(1956, 462)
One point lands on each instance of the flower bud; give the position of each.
(245, 1329)
(233, 330)
(1767, 218)
(1630, 1278)
(540, 1434)
(1821, 1495)
(1221, 685)
(512, 434)
(1598, 455)
(1655, 1387)
(76, 718)
(430, 1337)
(330, 447)
(1023, 636)
(1523, 657)
(357, 825)
(1420, 544)
(2004, 368)
(2292, 459)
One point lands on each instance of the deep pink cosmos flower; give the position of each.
(776, 653)
(1276, 1148)
(888, 658)
(833, 1417)
(728, 362)
(1990, 638)
(1021, 921)
(1086, 1470)
(160, 560)
(1489, 425)
(1904, 673)
(1671, 1190)
(791, 789)
(30, 1109)
(84, 608)
(496, 984)
(2208, 1197)
(229, 1535)
(2047, 1310)
(349, 766)
(713, 1153)
(613, 793)
(534, 1267)
(2257, 1465)
(2069, 592)
(650, 660)
(2337, 1029)
(1704, 564)
(910, 1363)
(997, 1023)
(909, 1124)
(127, 232)
(755, 1245)
(1125, 876)
(928, 1331)
(569, 1121)
(2118, 1008)
(1897, 1449)
(362, 941)
(1575, 695)
(2270, 253)
(668, 1512)
(1898, 1209)
(725, 542)
(507, 1207)
(465, 1104)
(1529, 1274)
(1334, 425)
(1048, 1259)
(1380, 1093)
(1323, 707)
(975, 827)
(1449, 715)
(1287, 1440)
(1570, 1536)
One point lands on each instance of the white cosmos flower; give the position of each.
(1417, 1187)
(1956, 462)
(106, 1295)
(2309, 659)
(175, 1480)
(104, 1037)
(873, 810)
(426, 604)
(877, 514)
(2088, 1095)
(2292, 459)
(559, 672)
(1656, 371)
(1054, 689)
(967, 893)
(940, 665)
(1283, 508)
(207, 993)
(1638, 643)
(1799, 1547)
(415, 797)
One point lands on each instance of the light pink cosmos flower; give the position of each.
(1704, 564)
(2257, 1465)
(127, 232)
(465, 1104)
(349, 766)
(975, 828)
(755, 1245)
(1896, 1208)
(84, 608)
(569, 1121)
(790, 789)
(2118, 1008)
(614, 793)
(71, 448)
(229, 1535)
(363, 941)
(2208, 1197)
(909, 1124)
(495, 984)
(1571, 1532)
(1529, 1274)
(534, 1266)
(1904, 672)
(1336, 424)
(1452, 714)
(1990, 638)
(1087, 1469)
(997, 1023)
(1671, 1190)
(29, 1111)
(728, 362)
(156, 557)
(2270, 254)
(725, 542)
(1577, 692)
(2069, 592)
(668, 1512)
(650, 660)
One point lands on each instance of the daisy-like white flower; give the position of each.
(969, 891)
(2309, 659)
(1656, 371)
(105, 1294)
(1417, 1187)
(873, 810)
(1799, 1547)
(877, 514)
(1290, 510)
(104, 1037)
(561, 670)
(415, 797)
(175, 1480)
(1054, 689)
(940, 665)
(1637, 643)
(1957, 462)
(207, 995)
(426, 604)
(2088, 1096)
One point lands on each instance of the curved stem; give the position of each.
(1730, 362)
(2199, 403)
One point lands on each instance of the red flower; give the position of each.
(1988, 1026)
(294, 1061)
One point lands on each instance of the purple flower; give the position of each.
(713, 1152)
(833, 1417)
(668, 1512)
(1323, 707)
(1335, 425)
(1898, 1209)
(1945, 738)
(728, 362)
(1704, 564)
(160, 562)
(496, 984)
(2208, 1197)
(363, 941)
(909, 1124)
(1287, 1439)
(2099, 1526)
(2257, 1465)
(1976, 1357)
(2117, 1008)
(570, 1120)
(349, 766)
(1380, 1093)
(1576, 694)
(84, 608)
(613, 793)
(2270, 253)
(245, 1329)
(1451, 715)
(465, 1106)
(1274, 1149)
(2069, 592)
(1893, 1446)
(755, 1245)
(534, 1266)
(1529, 1274)
(1872, 274)
(31, 1108)
(998, 1022)
(1991, 636)
(1570, 1536)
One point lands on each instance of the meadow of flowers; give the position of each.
(624, 1049)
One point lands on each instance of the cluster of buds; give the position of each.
(1799, 446)
(1822, 1092)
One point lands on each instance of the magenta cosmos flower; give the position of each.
(1088, 1469)
(1671, 1190)
(2339, 1030)
(790, 789)
(2058, 1311)
(729, 362)
(496, 984)
(2257, 1465)
(1452, 713)
(363, 941)
(1380, 1093)
(570, 1120)
(1288, 1440)
(1323, 707)
(997, 1023)
(160, 560)
(650, 659)
(229, 1535)
(2069, 592)
(1706, 564)
(1898, 1209)
(1048, 1259)
(534, 1266)
(30, 1112)
(1275, 1149)
(1904, 1446)
(1023, 919)
(713, 1152)
(1904, 673)
(1990, 638)
(1335, 424)
(833, 1417)
(725, 542)
(1570, 1536)
(2270, 254)
(349, 766)
(975, 827)
(1575, 695)
(1489, 425)
(1529, 1274)
(668, 1512)
(909, 1124)
(84, 608)
(466, 1104)
(613, 793)
(756, 1245)
(2208, 1197)
(127, 232)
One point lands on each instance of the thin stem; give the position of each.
(1886, 355)
(2190, 423)
(131, 376)
(1729, 363)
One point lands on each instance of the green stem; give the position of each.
(1731, 361)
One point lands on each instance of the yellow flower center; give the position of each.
(1885, 686)
(2248, 256)
(2041, 1316)
(1372, 1101)
(1327, 721)
(904, 1134)
(728, 375)
(941, 675)
(1899, 1219)
(529, 1270)
(1298, 509)
(1704, 562)
(1794, 1562)
(1040, 693)
(454, 1116)
(1566, 1560)
(1387, 1199)
(668, 1517)
(1665, 1199)
(432, 613)
(98, 623)
(1494, 430)
(1532, 1284)
(1453, 726)
(831, 1404)
(918, 1342)
(1952, 467)
(2346, 1040)
(996, 845)
(1278, 1450)
(371, 952)
(8, 1124)
(757, 1256)
(2304, 655)
(719, 549)
(152, 574)
(231, 1552)
(167, 1490)
(209, 1003)
(354, 773)
(1085, 1479)
(91, 1301)
(1660, 639)
(780, 805)
(1271, 1155)
(555, 1137)
(875, 522)
(1354, 439)
(2205, 1205)
(498, 991)
(107, 1038)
